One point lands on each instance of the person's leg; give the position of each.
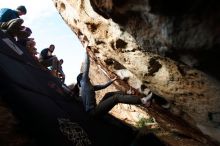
(11, 24)
(14, 26)
(110, 94)
(3, 25)
(15, 23)
(48, 62)
(110, 101)
(55, 64)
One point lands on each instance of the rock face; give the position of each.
(170, 47)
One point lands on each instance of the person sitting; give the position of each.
(11, 22)
(25, 33)
(29, 44)
(7, 14)
(48, 60)
(31, 48)
(87, 93)
(61, 74)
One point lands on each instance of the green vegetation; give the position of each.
(144, 122)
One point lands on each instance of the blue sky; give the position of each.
(49, 28)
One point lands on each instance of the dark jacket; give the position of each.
(44, 54)
(8, 14)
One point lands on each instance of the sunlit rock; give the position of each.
(169, 47)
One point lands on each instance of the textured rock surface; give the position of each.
(170, 47)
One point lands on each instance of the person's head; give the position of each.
(26, 33)
(79, 78)
(51, 47)
(61, 61)
(21, 10)
(34, 51)
(28, 30)
(26, 42)
(30, 43)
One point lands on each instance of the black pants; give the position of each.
(52, 61)
(111, 99)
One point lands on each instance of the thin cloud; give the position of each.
(48, 27)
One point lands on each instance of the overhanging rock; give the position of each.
(169, 47)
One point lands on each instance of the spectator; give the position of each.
(29, 44)
(47, 59)
(7, 14)
(11, 22)
(25, 33)
(61, 74)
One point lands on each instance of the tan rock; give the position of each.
(131, 39)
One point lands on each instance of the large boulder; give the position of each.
(170, 47)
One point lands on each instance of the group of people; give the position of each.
(11, 24)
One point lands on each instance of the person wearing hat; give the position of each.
(11, 22)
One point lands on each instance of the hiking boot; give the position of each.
(3, 25)
(14, 26)
(146, 101)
